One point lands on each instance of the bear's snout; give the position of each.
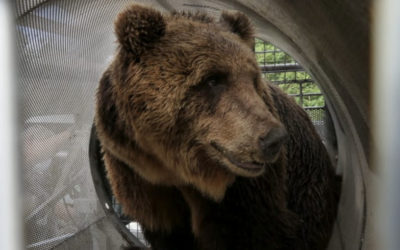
(271, 144)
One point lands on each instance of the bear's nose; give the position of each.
(271, 144)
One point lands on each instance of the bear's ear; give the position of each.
(239, 24)
(138, 27)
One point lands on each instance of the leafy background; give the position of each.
(296, 83)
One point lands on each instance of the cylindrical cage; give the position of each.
(63, 48)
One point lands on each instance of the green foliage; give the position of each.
(266, 53)
(310, 88)
(299, 84)
(313, 101)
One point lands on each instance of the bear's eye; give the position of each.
(212, 82)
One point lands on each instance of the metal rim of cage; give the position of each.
(352, 222)
(103, 190)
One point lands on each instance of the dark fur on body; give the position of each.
(151, 120)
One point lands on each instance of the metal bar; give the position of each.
(10, 213)
(301, 94)
(268, 51)
(313, 108)
(307, 94)
(386, 121)
(280, 68)
(49, 241)
(292, 81)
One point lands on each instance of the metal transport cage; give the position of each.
(63, 48)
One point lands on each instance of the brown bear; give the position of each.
(200, 150)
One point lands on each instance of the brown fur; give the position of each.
(180, 113)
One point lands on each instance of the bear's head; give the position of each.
(183, 102)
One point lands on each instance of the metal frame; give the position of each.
(386, 121)
(103, 190)
(10, 213)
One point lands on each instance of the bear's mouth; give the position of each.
(252, 166)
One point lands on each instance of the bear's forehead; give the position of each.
(197, 31)
(195, 43)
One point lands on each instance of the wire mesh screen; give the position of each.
(59, 69)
